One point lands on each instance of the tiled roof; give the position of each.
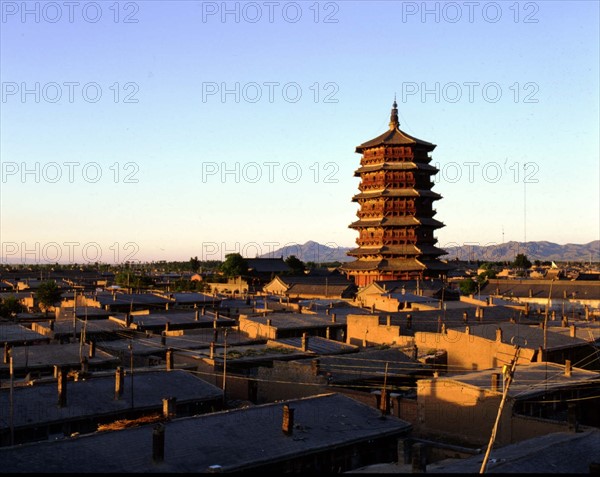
(556, 453)
(96, 396)
(396, 166)
(395, 137)
(236, 440)
(316, 344)
(541, 288)
(531, 337)
(397, 193)
(397, 222)
(267, 265)
(529, 379)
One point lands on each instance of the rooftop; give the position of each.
(195, 444)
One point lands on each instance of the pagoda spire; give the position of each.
(394, 123)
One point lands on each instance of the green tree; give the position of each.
(48, 294)
(234, 265)
(521, 261)
(295, 264)
(194, 263)
(10, 305)
(467, 286)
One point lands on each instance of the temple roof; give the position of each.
(392, 265)
(395, 136)
(408, 249)
(396, 166)
(397, 193)
(397, 222)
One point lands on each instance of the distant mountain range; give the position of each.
(313, 252)
(544, 251)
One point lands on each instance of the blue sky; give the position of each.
(160, 130)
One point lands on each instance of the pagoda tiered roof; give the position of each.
(408, 249)
(388, 192)
(406, 221)
(396, 166)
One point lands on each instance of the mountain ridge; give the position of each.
(543, 250)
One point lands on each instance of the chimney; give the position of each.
(568, 368)
(498, 334)
(541, 355)
(333, 317)
(327, 333)
(526, 309)
(6, 353)
(119, 382)
(170, 364)
(84, 366)
(304, 342)
(217, 315)
(61, 374)
(316, 366)
(169, 407)
(327, 311)
(196, 315)
(215, 326)
(212, 350)
(203, 311)
(467, 330)
(419, 458)
(388, 320)
(564, 322)
(495, 381)
(268, 322)
(92, 349)
(572, 332)
(158, 443)
(465, 316)
(288, 420)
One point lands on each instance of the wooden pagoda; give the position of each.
(395, 218)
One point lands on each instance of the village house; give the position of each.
(542, 398)
(67, 405)
(325, 287)
(484, 346)
(329, 433)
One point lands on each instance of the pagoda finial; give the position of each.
(394, 123)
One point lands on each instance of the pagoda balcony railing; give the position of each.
(373, 213)
(407, 210)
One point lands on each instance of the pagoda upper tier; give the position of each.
(396, 225)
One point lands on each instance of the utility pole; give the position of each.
(383, 403)
(224, 363)
(131, 368)
(546, 318)
(12, 409)
(509, 377)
